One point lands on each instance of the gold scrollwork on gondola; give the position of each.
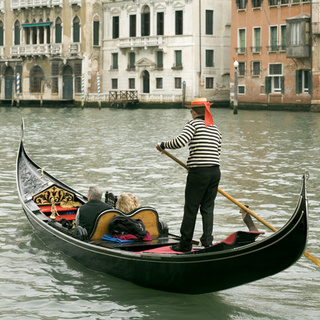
(54, 193)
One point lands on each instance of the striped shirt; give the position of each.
(204, 143)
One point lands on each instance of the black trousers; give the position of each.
(200, 192)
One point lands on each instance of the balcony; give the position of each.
(19, 4)
(75, 2)
(141, 42)
(36, 50)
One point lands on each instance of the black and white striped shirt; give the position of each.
(204, 143)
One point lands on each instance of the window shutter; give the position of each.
(282, 84)
(1, 36)
(96, 26)
(310, 82)
(268, 85)
(298, 81)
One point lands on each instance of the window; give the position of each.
(275, 80)
(36, 77)
(55, 74)
(96, 31)
(114, 83)
(274, 2)
(17, 33)
(76, 29)
(1, 34)
(132, 83)
(115, 27)
(145, 21)
(273, 38)
(256, 40)
(133, 25)
(209, 21)
(177, 83)
(179, 23)
(283, 45)
(160, 23)
(209, 83)
(78, 76)
(58, 30)
(295, 38)
(256, 68)
(159, 83)
(242, 41)
(303, 81)
(159, 60)
(114, 61)
(132, 60)
(209, 58)
(256, 3)
(241, 89)
(178, 58)
(242, 4)
(242, 68)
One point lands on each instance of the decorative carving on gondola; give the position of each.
(54, 193)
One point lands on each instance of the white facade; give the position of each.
(155, 47)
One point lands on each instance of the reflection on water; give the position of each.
(263, 158)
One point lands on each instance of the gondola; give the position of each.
(241, 258)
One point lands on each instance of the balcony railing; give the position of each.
(141, 42)
(74, 48)
(241, 50)
(18, 4)
(36, 50)
(2, 5)
(256, 49)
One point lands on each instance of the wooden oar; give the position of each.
(306, 253)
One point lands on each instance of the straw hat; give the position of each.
(198, 102)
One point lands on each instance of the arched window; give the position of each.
(17, 33)
(58, 30)
(36, 77)
(145, 21)
(76, 29)
(1, 34)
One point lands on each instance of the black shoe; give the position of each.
(179, 248)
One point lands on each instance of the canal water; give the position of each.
(264, 155)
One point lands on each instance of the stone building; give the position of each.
(49, 47)
(167, 50)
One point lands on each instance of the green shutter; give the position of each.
(96, 26)
(310, 82)
(268, 85)
(298, 81)
(17, 35)
(58, 33)
(282, 84)
(1, 36)
(76, 32)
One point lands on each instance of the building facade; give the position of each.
(171, 50)
(49, 49)
(271, 40)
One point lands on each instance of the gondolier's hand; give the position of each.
(160, 146)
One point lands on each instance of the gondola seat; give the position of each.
(148, 215)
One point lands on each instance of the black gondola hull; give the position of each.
(183, 273)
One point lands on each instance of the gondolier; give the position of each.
(204, 140)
